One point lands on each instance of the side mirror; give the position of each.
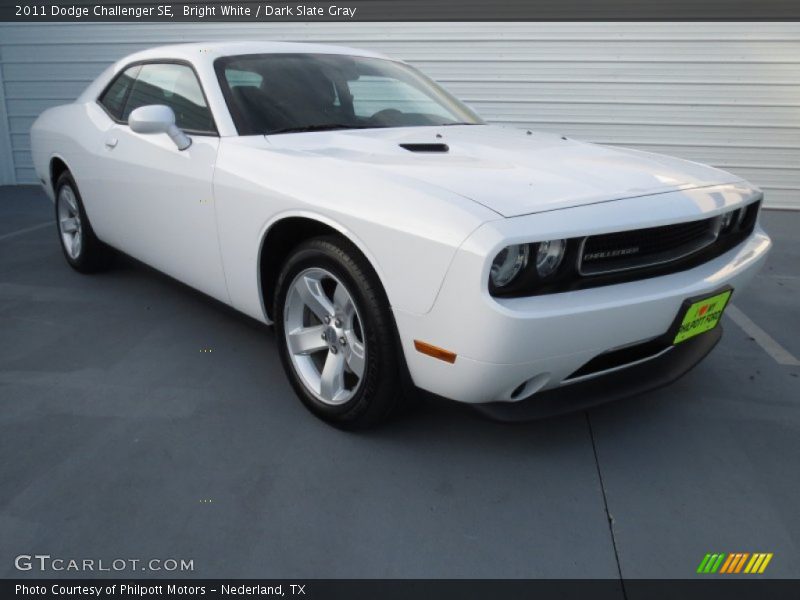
(158, 118)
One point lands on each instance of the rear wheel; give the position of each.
(336, 335)
(83, 251)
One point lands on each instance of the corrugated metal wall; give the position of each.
(723, 93)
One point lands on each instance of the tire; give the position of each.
(352, 378)
(83, 251)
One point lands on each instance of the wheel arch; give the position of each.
(55, 168)
(285, 232)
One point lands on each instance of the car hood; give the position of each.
(510, 171)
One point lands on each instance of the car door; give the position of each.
(158, 203)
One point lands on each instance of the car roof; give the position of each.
(202, 51)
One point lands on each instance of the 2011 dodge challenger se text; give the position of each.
(395, 240)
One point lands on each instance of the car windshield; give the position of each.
(284, 93)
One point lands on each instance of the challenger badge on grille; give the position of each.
(611, 253)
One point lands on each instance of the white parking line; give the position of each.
(13, 234)
(780, 354)
(784, 276)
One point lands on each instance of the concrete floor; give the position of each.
(120, 439)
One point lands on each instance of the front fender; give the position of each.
(409, 235)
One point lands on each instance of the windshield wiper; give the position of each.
(457, 123)
(319, 127)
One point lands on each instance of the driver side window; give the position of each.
(176, 86)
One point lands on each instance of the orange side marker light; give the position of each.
(435, 351)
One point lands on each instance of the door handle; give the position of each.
(111, 143)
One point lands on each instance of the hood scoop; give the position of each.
(426, 148)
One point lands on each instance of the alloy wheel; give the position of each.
(324, 336)
(69, 222)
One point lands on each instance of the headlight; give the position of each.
(508, 264)
(549, 256)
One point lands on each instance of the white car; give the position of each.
(393, 237)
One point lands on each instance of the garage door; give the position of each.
(722, 93)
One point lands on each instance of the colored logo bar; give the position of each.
(736, 562)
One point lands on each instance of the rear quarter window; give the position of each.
(114, 97)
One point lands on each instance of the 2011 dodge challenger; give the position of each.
(395, 240)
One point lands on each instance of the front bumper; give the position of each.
(616, 385)
(538, 342)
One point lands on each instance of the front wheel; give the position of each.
(336, 335)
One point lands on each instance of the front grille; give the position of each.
(627, 250)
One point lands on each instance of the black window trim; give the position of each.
(158, 61)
